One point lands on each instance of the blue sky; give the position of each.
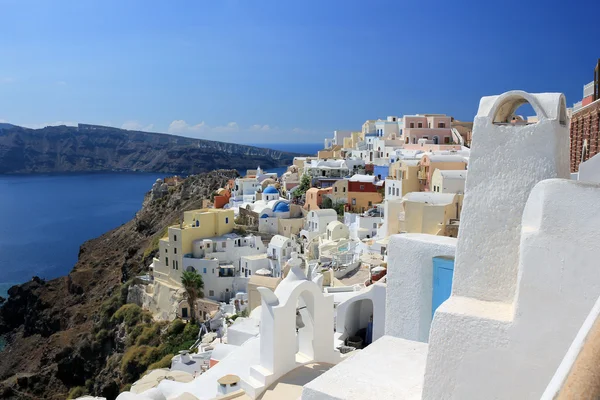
(273, 71)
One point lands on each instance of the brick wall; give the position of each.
(585, 124)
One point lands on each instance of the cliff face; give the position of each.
(49, 326)
(95, 148)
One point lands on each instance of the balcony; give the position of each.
(422, 175)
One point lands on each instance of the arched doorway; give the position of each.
(358, 323)
(305, 330)
(436, 140)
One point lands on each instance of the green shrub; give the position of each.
(190, 332)
(76, 392)
(150, 336)
(164, 362)
(102, 335)
(108, 308)
(136, 361)
(126, 388)
(176, 327)
(131, 314)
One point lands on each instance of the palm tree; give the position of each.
(193, 284)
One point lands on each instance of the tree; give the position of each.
(193, 284)
(305, 184)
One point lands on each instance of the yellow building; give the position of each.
(333, 153)
(197, 224)
(340, 191)
(353, 140)
(430, 213)
(254, 283)
(403, 179)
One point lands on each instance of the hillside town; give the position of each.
(417, 257)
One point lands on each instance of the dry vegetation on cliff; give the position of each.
(71, 332)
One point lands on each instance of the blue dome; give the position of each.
(282, 206)
(264, 216)
(271, 190)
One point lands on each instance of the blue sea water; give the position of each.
(45, 218)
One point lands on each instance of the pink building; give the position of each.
(434, 127)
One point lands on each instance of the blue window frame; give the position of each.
(204, 270)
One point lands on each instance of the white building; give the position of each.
(448, 181)
(316, 223)
(362, 226)
(279, 251)
(244, 191)
(389, 127)
(338, 139)
(332, 168)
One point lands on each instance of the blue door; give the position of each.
(443, 269)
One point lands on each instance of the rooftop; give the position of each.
(362, 178)
(390, 368)
(430, 197)
(255, 256)
(445, 158)
(290, 385)
(454, 173)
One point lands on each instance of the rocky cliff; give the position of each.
(52, 328)
(98, 148)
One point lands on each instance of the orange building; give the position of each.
(430, 163)
(314, 198)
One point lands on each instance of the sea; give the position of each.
(44, 219)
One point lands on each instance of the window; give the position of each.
(173, 264)
(174, 250)
(335, 189)
(362, 187)
(397, 192)
(344, 189)
(420, 125)
(374, 225)
(227, 289)
(204, 270)
(166, 251)
(167, 261)
(211, 292)
(226, 220)
(447, 140)
(213, 270)
(353, 202)
(197, 223)
(174, 238)
(414, 140)
(412, 124)
(223, 244)
(370, 203)
(249, 272)
(441, 125)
